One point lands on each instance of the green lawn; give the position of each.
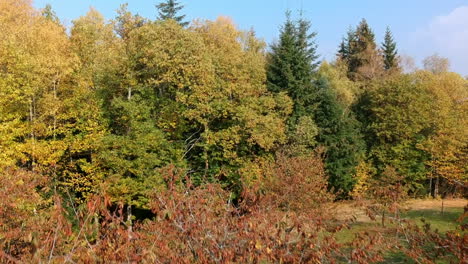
(443, 222)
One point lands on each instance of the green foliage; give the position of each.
(132, 154)
(359, 52)
(125, 22)
(229, 150)
(169, 10)
(50, 14)
(339, 133)
(400, 123)
(389, 50)
(106, 107)
(292, 64)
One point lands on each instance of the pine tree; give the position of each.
(169, 10)
(365, 36)
(389, 51)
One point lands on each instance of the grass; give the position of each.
(442, 222)
(439, 221)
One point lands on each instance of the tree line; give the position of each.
(113, 102)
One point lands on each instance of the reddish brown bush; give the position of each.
(201, 225)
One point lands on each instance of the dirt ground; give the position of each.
(434, 204)
(345, 210)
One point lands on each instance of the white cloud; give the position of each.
(448, 35)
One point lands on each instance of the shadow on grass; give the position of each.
(443, 222)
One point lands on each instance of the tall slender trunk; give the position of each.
(436, 186)
(55, 109)
(129, 95)
(383, 218)
(129, 222)
(431, 191)
(55, 85)
(32, 134)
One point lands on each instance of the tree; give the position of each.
(339, 134)
(125, 22)
(50, 14)
(436, 64)
(359, 51)
(133, 152)
(239, 118)
(291, 68)
(389, 50)
(206, 90)
(346, 90)
(169, 10)
(280, 72)
(446, 144)
(399, 114)
(347, 46)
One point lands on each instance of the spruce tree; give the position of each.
(292, 65)
(358, 49)
(50, 14)
(339, 133)
(389, 51)
(307, 45)
(343, 51)
(347, 45)
(169, 10)
(280, 75)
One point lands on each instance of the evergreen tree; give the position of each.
(169, 10)
(50, 14)
(307, 45)
(292, 65)
(343, 51)
(280, 75)
(347, 45)
(359, 51)
(340, 135)
(389, 51)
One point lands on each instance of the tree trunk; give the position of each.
(129, 95)
(32, 135)
(436, 187)
(431, 192)
(383, 218)
(129, 222)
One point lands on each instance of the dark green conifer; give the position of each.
(339, 133)
(50, 14)
(169, 10)
(390, 53)
(292, 65)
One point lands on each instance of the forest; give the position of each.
(133, 140)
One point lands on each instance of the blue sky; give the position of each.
(421, 27)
